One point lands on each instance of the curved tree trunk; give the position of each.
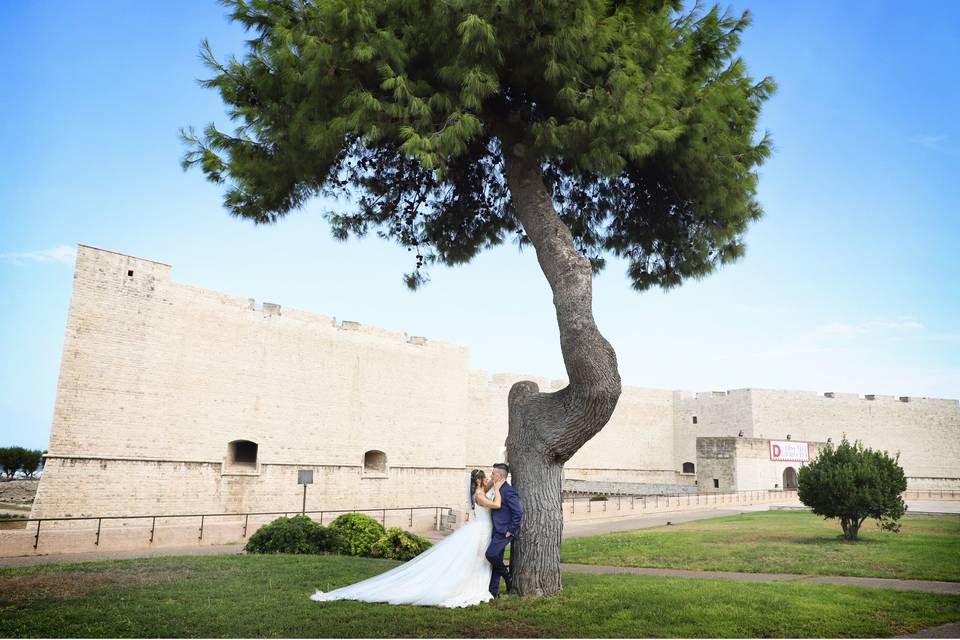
(546, 429)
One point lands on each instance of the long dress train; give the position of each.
(452, 573)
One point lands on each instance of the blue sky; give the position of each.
(849, 283)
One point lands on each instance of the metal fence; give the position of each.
(631, 502)
(438, 515)
(931, 494)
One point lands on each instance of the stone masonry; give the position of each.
(158, 378)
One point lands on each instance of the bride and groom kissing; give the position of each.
(464, 568)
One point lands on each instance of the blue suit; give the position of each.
(506, 519)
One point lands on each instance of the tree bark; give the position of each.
(546, 429)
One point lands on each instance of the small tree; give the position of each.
(31, 461)
(11, 460)
(853, 483)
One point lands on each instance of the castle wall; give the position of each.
(637, 445)
(154, 369)
(926, 431)
(77, 487)
(742, 464)
(158, 377)
(717, 413)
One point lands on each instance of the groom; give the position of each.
(506, 523)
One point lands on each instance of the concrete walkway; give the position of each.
(926, 586)
(949, 630)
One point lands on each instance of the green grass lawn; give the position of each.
(253, 596)
(927, 547)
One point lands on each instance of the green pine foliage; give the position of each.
(641, 115)
(20, 459)
(357, 533)
(397, 544)
(853, 483)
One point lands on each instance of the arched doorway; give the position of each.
(789, 479)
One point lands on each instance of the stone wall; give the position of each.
(165, 375)
(926, 431)
(743, 464)
(157, 378)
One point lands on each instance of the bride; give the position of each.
(452, 573)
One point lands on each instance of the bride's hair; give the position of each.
(477, 476)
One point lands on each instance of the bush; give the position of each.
(298, 534)
(357, 533)
(397, 544)
(852, 483)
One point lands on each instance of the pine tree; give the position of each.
(585, 129)
(852, 483)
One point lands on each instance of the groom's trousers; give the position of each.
(498, 544)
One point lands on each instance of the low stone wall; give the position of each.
(931, 494)
(78, 536)
(577, 509)
(625, 488)
(933, 485)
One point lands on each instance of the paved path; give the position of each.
(580, 528)
(949, 630)
(927, 586)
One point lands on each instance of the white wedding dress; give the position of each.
(452, 573)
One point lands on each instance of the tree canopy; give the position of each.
(641, 116)
(19, 459)
(853, 483)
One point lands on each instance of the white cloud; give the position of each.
(783, 352)
(852, 330)
(928, 141)
(63, 254)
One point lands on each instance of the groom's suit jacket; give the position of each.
(508, 516)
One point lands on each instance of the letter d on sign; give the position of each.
(776, 451)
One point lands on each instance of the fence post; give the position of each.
(201, 528)
(99, 520)
(383, 516)
(153, 525)
(246, 519)
(36, 538)
(411, 517)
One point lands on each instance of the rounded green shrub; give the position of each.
(397, 544)
(357, 533)
(299, 534)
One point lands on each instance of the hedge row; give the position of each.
(352, 534)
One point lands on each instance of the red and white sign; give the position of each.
(789, 451)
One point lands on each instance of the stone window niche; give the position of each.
(694, 419)
(688, 467)
(241, 458)
(716, 483)
(374, 464)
